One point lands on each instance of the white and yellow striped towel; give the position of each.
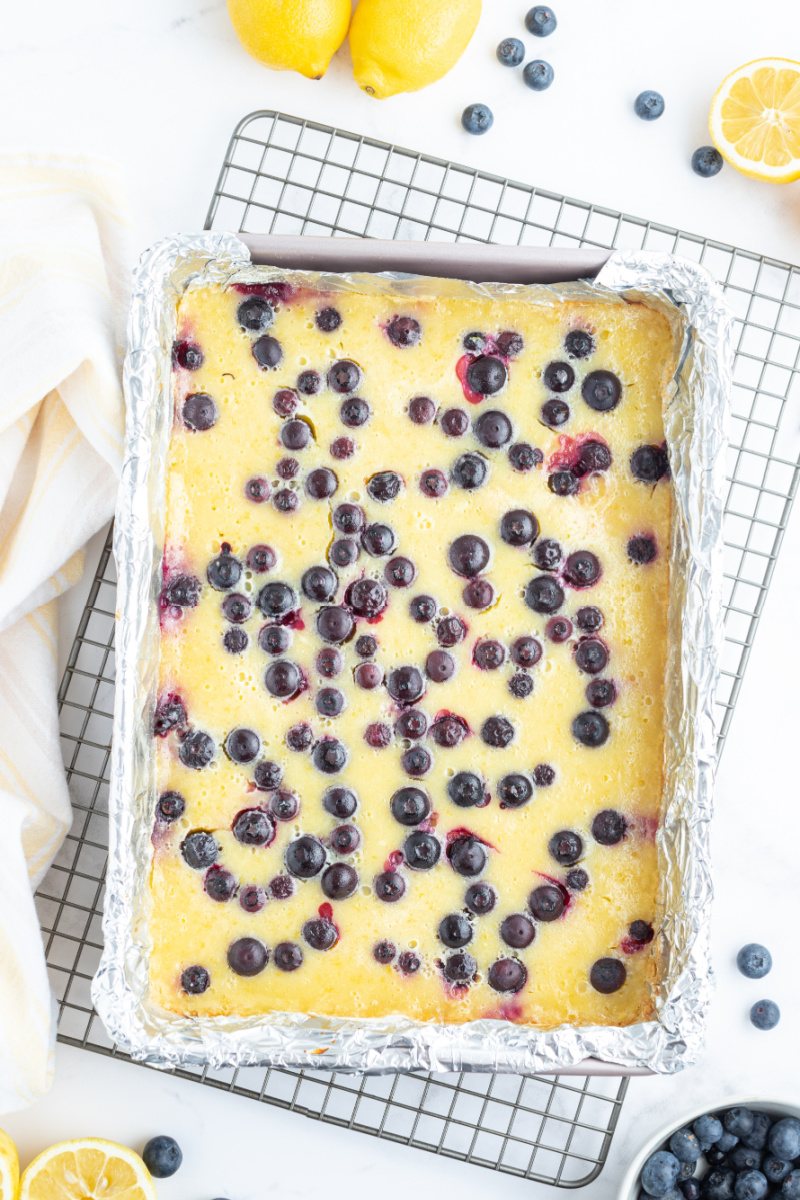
(64, 272)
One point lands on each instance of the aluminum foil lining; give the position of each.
(696, 428)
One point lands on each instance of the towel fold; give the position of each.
(64, 278)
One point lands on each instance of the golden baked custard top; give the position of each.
(410, 721)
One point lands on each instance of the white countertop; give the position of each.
(159, 85)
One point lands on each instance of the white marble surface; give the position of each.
(159, 85)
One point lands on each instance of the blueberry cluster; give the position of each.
(739, 1154)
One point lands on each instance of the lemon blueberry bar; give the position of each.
(409, 731)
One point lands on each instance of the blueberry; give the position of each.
(660, 1172)
(757, 1138)
(540, 21)
(740, 1121)
(752, 1185)
(488, 654)
(404, 332)
(507, 975)
(267, 776)
(589, 619)
(718, 1184)
(468, 555)
(449, 731)
(460, 969)
(171, 806)
(466, 789)
(544, 595)
(196, 749)
(454, 422)
(455, 931)
(409, 963)
(790, 1188)
(378, 540)
(288, 956)
(195, 981)
(591, 656)
(601, 692)
(252, 827)
(295, 435)
(342, 448)
(286, 501)
(416, 761)
(641, 550)
(340, 802)
(467, 856)
(547, 902)
(321, 483)
(237, 608)
(368, 675)
(477, 118)
(558, 377)
(384, 952)
(400, 572)
(649, 464)
(344, 376)
(224, 571)
(582, 569)
(329, 756)
(255, 313)
(390, 885)
(284, 402)
(354, 412)
(493, 429)
(478, 593)
(305, 857)
(754, 960)
(329, 702)
(199, 412)
(510, 52)
(162, 1156)
(716, 1157)
(367, 597)
(519, 527)
(649, 105)
(566, 848)
(406, 685)
(726, 1142)
(284, 806)
(182, 592)
(594, 456)
(517, 931)
(538, 75)
(345, 839)
(523, 457)
(433, 482)
(440, 666)
(469, 472)
(276, 600)
(281, 888)
(740, 1158)
(329, 662)
(384, 486)
(480, 898)
(590, 729)
(707, 1129)
(579, 344)
(641, 932)
(514, 790)
(497, 732)
(220, 885)
(282, 679)
(287, 468)
(544, 775)
(564, 483)
(410, 806)
(547, 554)
(487, 375)
(242, 745)
(421, 410)
(339, 881)
(555, 413)
(558, 629)
(609, 827)
(685, 1145)
(602, 391)
(274, 639)
(328, 319)
(577, 880)
(187, 355)
(520, 685)
(690, 1189)
(784, 1137)
(422, 851)
(765, 1014)
(707, 161)
(450, 631)
(268, 352)
(775, 1169)
(170, 714)
(367, 646)
(299, 737)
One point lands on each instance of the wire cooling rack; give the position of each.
(285, 175)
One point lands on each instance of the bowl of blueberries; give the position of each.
(750, 1151)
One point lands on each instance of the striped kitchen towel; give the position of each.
(64, 277)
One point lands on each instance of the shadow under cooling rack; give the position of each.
(285, 175)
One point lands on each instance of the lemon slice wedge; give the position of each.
(9, 1168)
(86, 1169)
(755, 119)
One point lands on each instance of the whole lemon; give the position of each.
(291, 35)
(403, 45)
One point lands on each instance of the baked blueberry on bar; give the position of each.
(409, 731)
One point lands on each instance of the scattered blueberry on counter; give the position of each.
(765, 1014)
(538, 75)
(649, 105)
(706, 161)
(510, 52)
(740, 1154)
(162, 1156)
(477, 118)
(540, 21)
(754, 961)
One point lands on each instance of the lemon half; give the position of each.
(755, 119)
(87, 1169)
(9, 1168)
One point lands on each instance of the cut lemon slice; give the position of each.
(87, 1169)
(9, 1168)
(755, 119)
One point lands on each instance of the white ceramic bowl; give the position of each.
(630, 1187)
